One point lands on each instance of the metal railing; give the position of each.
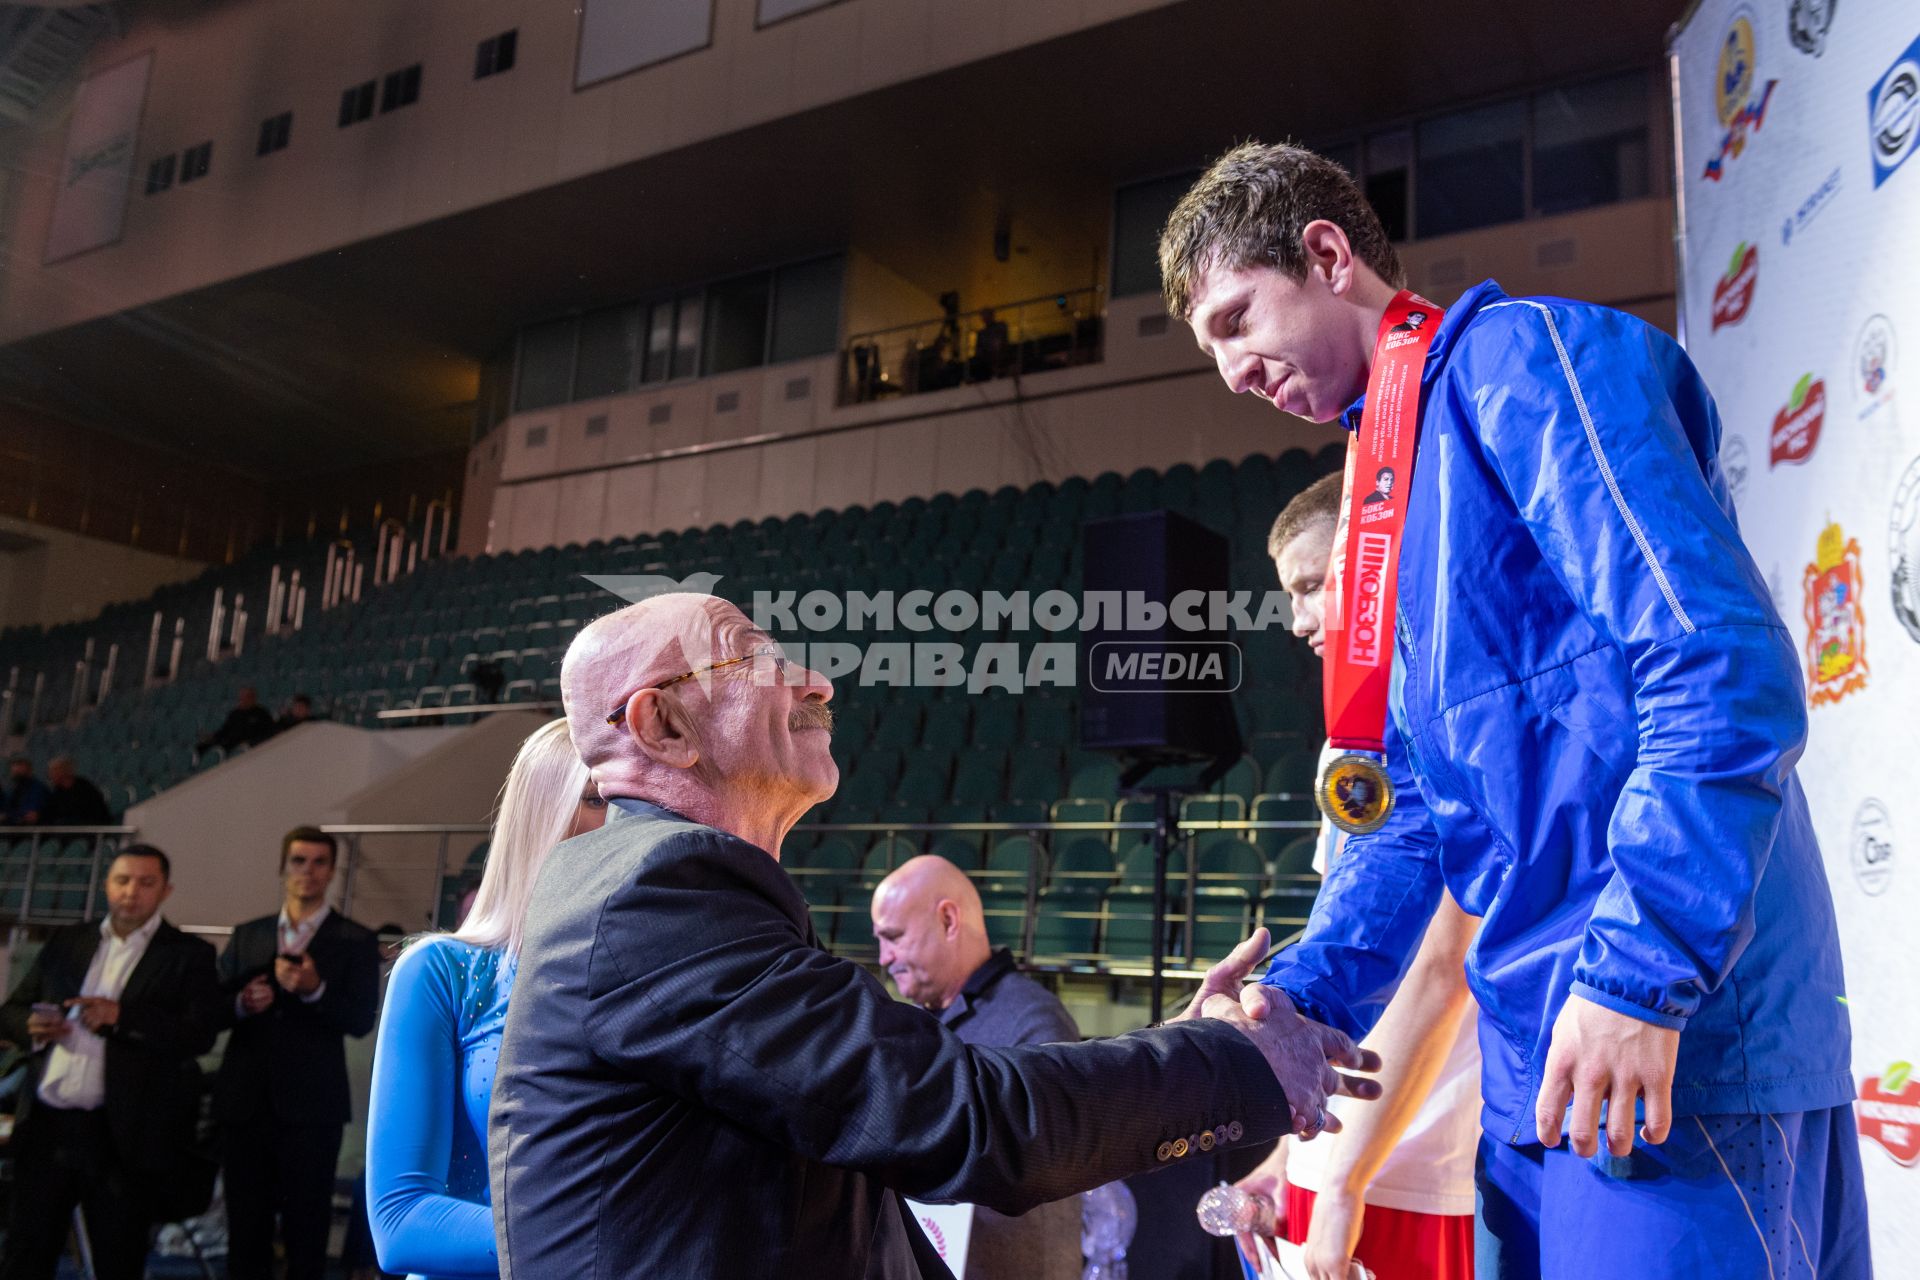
(1032, 335)
(45, 879)
(1179, 956)
(1208, 901)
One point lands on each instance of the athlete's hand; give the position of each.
(1596, 1056)
(1228, 976)
(1333, 1234)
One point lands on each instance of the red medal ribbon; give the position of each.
(1362, 577)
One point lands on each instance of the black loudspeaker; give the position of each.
(1160, 695)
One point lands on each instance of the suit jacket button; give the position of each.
(1165, 1152)
(1179, 1147)
(1220, 1138)
(1235, 1131)
(1205, 1141)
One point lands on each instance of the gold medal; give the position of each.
(1355, 793)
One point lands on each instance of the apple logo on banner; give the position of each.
(1796, 428)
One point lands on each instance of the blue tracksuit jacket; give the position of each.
(1595, 714)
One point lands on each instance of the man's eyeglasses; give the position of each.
(780, 660)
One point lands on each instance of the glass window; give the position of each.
(774, 10)
(737, 322)
(546, 365)
(806, 309)
(686, 336)
(1344, 154)
(1470, 169)
(1387, 185)
(1139, 215)
(610, 353)
(659, 342)
(1591, 144)
(618, 36)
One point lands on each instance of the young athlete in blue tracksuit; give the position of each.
(1594, 718)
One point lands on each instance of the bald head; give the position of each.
(740, 746)
(628, 649)
(931, 928)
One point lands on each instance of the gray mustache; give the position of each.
(811, 715)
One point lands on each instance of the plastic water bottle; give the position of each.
(1228, 1211)
(1108, 1216)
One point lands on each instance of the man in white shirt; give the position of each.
(116, 1011)
(1394, 1187)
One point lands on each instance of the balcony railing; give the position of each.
(1007, 341)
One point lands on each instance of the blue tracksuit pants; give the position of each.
(1732, 1197)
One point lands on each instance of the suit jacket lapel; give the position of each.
(151, 961)
(86, 943)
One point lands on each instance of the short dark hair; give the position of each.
(1384, 471)
(1251, 207)
(309, 835)
(1318, 501)
(147, 851)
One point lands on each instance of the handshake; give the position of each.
(1302, 1052)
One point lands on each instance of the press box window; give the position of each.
(356, 104)
(400, 89)
(160, 174)
(495, 54)
(1592, 144)
(1388, 187)
(1139, 212)
(275, 133)
(1470, 169)
(195, 161)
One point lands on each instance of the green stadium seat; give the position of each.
(1294, 772)
(1126, 926)
(1222, 919)
(961, 848)
(1048, 720)
(1296, 857)
(995, 723)
(1234, 864)
(1081, 863)
(1067, 923)
(1006, 912)
(1272, 808)
(1096, 780)
(980, 777)
(883, 855)
(1083, 810)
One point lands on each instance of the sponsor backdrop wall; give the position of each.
(1799, 188)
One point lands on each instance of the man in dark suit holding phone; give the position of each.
(298, 984)
(116, 1012)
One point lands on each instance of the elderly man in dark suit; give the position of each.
(299, 983)
(690, 1086)
(116, 1012)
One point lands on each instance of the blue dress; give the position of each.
(427, 1197)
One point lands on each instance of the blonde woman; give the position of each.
(440, 1032)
